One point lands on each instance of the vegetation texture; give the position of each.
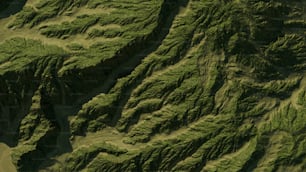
(154, 85)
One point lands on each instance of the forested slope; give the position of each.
(160, 85)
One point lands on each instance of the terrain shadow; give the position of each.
(11, 8)
(125, 67)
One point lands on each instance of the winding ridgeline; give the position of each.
(154, 85)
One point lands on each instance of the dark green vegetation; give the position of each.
(3, 4)
(135, 85)
(10, 7)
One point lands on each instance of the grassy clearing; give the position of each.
(5, 159)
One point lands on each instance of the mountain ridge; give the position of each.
(189, 85)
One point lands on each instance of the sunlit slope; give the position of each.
(198, 85)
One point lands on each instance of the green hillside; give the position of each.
(153, 85)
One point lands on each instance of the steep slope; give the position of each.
(188, 85)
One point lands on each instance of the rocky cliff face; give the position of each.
(188, 85)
